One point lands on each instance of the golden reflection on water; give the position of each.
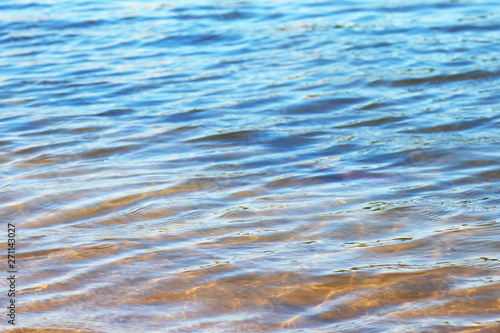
(272, 277)
(260, 261)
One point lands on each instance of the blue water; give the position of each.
(263, 166)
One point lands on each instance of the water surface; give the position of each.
(261, 166)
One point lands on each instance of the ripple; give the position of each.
(229, 166)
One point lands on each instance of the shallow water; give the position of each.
(267, 166)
